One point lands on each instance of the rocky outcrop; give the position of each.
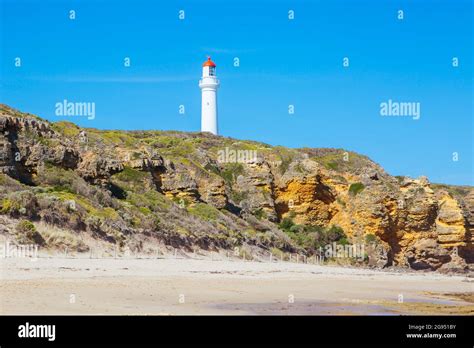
(467, 205)
(132, 183)
(450, 222)
(306, 198)
(256, 185)
(98, 169)
(426, 254)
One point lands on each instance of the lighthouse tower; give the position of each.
(209, 84)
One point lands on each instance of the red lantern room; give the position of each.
(209, 68)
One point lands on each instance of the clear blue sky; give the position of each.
(282, 62)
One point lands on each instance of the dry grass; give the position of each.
(56, 237)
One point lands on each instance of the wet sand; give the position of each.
(187, 286)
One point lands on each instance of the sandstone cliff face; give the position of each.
(175, 187)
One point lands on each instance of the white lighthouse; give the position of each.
(209, 84)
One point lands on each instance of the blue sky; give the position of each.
(282, 62)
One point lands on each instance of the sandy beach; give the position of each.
(192, 287)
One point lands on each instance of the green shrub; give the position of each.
(334, 233)
(68, 129)
(129, 174)
(145, 210)
(231, 171)
(311, 238)
(286, 224)
(19, 203)
(295, 228)
(57, 178)
(204, 211)
(370, 238)
(7, 205)
(250, 232)
(118, 137)
(238, 196)
(130, 180)
(260, 214)
(26, 233)
(355, 188)
(343, 241)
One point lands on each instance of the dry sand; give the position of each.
(187, 286)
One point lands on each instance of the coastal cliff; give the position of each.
(197, 190)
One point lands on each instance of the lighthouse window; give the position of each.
(212, 71)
